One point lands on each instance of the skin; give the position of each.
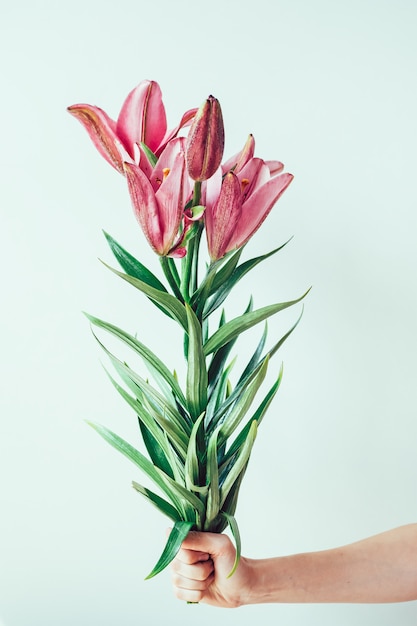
(381, 568)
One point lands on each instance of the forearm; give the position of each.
(382, 568)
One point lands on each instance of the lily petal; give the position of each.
(142, 117)
(186, 120)
(252, 176)
(171, 201)
(166, 161)
(145, 205)
(222, 219)
(239, 160)
(275, 167)
(257, 208)
(102, 130)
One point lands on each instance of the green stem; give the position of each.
(188, 274)
(171, 274)
(197, 193)
(194, 269)
(186, 271)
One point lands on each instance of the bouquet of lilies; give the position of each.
(198, 435)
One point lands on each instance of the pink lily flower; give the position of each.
(242, 203)
(205, 141)
(239, 160)
(159, 200)
(142, 119)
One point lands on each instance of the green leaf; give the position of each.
(241, 407)
(219, 393)
(169, 303)
(155, 399)
(171, 274)
(235, 327)
(180, 497)
(175, 539)
(192, 462)
(162, 505)
(155, 449)
(132, 266)
(258, 416)
(279, 343)
(220, 356)
(239, 464)
(196, 368)
(227, 285)
(230, 503)
(153, 420)
(152, 158)
(236, 536)
(232, 398)
(147, 355)
(138, 459)
(223, 275)
(213, 498)
(256, 355)
(214, 278)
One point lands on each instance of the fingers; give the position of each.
(197, 571)
(205, 542)
(191, 556)
(204, 558)
(191, 580)
(192, 574)
(191, 589)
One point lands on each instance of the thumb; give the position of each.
(215, 544)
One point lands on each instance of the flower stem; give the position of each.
(190, 262)
(197, 193)
(171, 274)
(194, 268)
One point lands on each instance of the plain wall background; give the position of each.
(328, 88)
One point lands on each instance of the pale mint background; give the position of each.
(329, 88)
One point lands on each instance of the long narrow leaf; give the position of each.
(157, 452)
(258, 416)
(175, 539)
(223, 275)
(218, 395)
(169, 303)
(145, 353)
(132, 266)
(256, 355)
(238, 325)
(236, 415)
(178, 494)
(220, 356)
(232, 398)
(227, 285)
(153, 396)
(162, 505)
(239, 465)
(215, 277)
(175, 435)
(138, 459)
(236, 536)
(192, 461)
(279, 343)
(213, 498)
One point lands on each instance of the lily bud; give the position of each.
(205, 142)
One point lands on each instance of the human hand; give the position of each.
(201, 568)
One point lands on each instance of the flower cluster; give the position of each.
(198, 435)
(168, 176)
